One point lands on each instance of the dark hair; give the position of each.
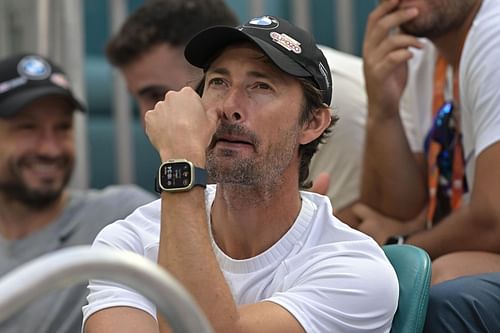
(313, 102)
(165, 21)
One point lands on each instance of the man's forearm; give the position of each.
(186, 252)
(464, 230)
(393, 182)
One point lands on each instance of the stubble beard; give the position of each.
(15, 188)
(443, 18)
(262, 174)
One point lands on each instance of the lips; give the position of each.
(233, 136)
(234, 140)
(45, 168)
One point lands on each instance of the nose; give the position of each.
(232, 106)
(49, 144)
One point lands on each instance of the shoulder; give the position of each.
(481, 50)
(96, 208)
(328, 234)
(342, 269)
(126, 192)
(333, 241)
(138, 232)
(119, 197)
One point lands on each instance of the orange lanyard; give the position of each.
(457, 184)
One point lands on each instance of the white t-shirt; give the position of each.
(480, 85)
(341, 154)
(479, 82)
(330, 277)
(416, 103)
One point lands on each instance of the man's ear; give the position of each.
(312, 129)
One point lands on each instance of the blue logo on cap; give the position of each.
(263, 22)
(34, 68)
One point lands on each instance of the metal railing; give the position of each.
(81, 263)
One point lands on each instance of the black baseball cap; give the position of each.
(27, 77)
(290, 48)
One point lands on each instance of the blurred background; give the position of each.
(112, 147)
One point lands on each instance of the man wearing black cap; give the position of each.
(37, 213)
(148, 50)
(273, 258)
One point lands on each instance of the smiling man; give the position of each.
(256, 252)
(38, 214)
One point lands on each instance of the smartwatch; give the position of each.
(179, 175)
(396, 239)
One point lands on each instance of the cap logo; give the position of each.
(286, 41)
(263, 22)
(34, 68)
(60, 80)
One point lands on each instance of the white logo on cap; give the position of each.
(286, 41)
(34, 68)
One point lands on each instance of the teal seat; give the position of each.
(413, 268)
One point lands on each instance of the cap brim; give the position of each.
(205, 46)
(19, 100)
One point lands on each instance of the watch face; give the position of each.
(176, 176)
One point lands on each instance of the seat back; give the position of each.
(413, 268)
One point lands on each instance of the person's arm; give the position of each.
(392, 179)
(381, 227)
(476, 226)
(121, 319)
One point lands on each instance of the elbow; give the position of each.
(486, 220)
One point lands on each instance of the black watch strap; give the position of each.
(396, 239)
(200, 177)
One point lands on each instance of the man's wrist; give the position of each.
(396, 239)
(179, 175)
(198, 159)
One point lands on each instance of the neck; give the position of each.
(18, 220)
(450, 45)
(248, 221)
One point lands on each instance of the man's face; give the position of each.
(37, 151)
(258, 136)
(158, 70)
(436, 17)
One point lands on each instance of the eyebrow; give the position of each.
(152, 88)
(255, 74)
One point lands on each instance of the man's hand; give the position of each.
(180, 127)
(381, 227)
(321, 183)
(385, 56)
